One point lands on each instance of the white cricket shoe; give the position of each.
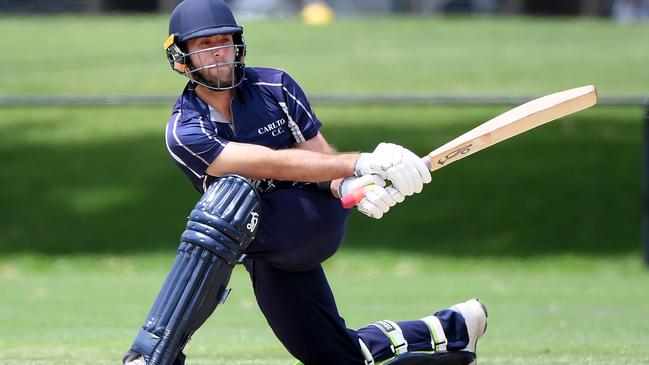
(475, 316)
(135, 361)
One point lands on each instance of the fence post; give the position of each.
(645, 177)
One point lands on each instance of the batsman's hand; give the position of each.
(378, 199)
(402, 167)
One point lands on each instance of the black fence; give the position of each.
(530, 7)
(84, 6)
(326, 99)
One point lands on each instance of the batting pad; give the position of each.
(439, 358)
(220, 228)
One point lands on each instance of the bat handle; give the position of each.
(352, 199)
(427, 162)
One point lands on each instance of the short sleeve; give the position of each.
(193, 144)
(302, 120)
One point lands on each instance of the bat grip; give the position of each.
(352, 199)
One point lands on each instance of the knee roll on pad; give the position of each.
(219, 229)
(225, 219)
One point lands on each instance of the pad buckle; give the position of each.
(398, 349)
(392, 331)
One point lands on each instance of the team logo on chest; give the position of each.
(274, 128)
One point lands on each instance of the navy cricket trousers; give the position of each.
(300, 227)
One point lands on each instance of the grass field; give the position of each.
(555, 310)
(535, 227)
(544, 228)
(103, 55)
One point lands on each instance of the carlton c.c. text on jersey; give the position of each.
(268, 108)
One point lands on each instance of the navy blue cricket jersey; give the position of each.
(301, 226)
(269, 108)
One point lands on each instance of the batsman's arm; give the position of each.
(319, 144)
(313, 161)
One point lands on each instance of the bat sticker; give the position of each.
(452, 154)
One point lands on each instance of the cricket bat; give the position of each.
(509, 124)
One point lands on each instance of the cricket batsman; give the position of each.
(249, 142)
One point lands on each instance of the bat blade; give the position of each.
(509, 124)
(513, 122)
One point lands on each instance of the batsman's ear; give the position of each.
(175, 56)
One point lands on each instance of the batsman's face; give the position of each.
(213, 57)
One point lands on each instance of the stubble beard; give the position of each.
(222, 75)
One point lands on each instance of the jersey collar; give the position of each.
(193, 107)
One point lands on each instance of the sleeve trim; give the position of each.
(261, 83)
(295, 129)
(298, 102)
(175, 157)
(210, 136)
(185, 147)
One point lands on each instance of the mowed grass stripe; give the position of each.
(104, 182)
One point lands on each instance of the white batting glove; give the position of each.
(379, 161)
(409, 176)
(378, 199)
(397, 164)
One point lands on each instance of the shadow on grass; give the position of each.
(569, 187)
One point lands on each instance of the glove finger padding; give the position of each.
(380, 198)
(369, 209)
(421, 167)
(384, 156)
(395, 194)
(401, 180)
(373, 197)
(367, 180)
(413, 173)
(353, 183)
(378, 201)
(396, 155)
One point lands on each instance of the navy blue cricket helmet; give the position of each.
(202, 18)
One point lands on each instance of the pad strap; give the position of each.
(393, 332)
(437, 336)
